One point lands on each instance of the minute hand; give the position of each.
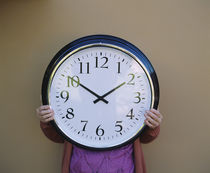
(102, 97)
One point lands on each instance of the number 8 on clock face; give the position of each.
(99, 88)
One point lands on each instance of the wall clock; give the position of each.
(100, 87)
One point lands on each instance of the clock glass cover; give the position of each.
(99, 88)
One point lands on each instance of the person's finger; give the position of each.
(153, 116)
(44, 107)
(157, 113)
(48, 119)
(152, 121)
(149, 124)
(47, 116)
(44, 112)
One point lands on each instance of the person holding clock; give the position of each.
(100, 97)
(127, 159)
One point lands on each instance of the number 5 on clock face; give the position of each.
(99, 93)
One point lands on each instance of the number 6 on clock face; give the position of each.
(100, 87)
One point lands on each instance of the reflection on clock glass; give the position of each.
(99, 95)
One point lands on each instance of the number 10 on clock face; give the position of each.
(99, 95)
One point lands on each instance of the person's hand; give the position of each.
(45, 113)
(153, 118)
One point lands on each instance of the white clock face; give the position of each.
(99, 95)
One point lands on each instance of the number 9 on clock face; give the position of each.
(100, 87)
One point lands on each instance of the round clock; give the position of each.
(99, 87)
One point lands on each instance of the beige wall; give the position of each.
(175, 35)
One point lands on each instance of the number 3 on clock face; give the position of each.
(100, 87)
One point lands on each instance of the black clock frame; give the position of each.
(99, 39)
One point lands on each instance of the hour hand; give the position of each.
(102, 97)
(90, 91)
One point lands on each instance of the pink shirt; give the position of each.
(113, 161)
